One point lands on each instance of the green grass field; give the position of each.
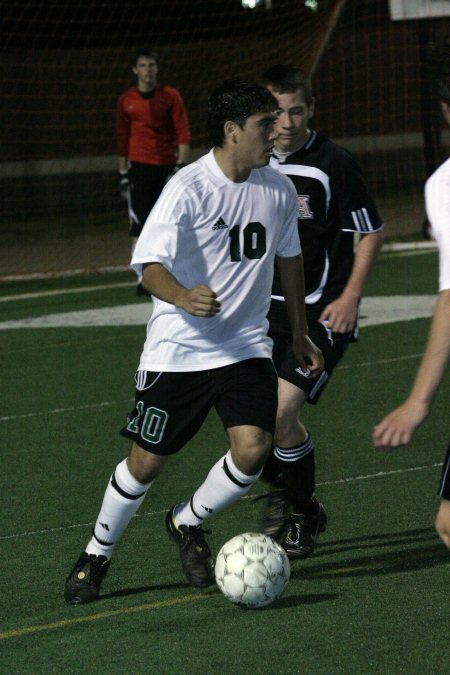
(372, 599)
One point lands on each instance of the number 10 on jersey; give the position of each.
(254, 235)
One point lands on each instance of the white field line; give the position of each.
(404, 247)
(375, 310)
(104, 404)
(57, 411)
(150, 514)
(366, 364)
(64, 274)
(66, 291)
(399, 249)
(408, 254)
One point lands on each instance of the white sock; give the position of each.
(122, 499)
(223, 485)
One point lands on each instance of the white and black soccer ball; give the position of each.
(252, 570)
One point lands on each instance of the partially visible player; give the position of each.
(398, 427)
(153, 138)
(334, 206)
(207, 253)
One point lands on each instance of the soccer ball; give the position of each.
(252, 570)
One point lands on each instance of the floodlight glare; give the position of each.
(251, 4)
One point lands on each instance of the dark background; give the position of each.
(64, 64)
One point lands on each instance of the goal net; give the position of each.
(65, 63)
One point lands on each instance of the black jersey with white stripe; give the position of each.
(333, 205)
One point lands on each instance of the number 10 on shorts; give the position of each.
(153, 424)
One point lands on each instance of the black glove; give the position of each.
(124, 184)
(175, 169)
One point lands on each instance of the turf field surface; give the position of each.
(372, 599)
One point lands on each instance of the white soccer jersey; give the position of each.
(437, 199)
(206, 229)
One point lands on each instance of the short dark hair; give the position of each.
(147, 53)
(439, 59)
(285, 79)
(236, 100)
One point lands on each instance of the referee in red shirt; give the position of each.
(153, 138)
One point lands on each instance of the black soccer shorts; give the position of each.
(332, 345)
(146, 184)
(171, 407)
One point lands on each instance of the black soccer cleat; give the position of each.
(84, 581)
(303, 532)
(196, 559)
(276, 514)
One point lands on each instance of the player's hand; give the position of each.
(200, 301)
(398, 426)
(124, 184)
(309, 357)
(175, 169)
(341, 314)
(442, 522)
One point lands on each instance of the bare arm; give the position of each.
(341, 314)
(398, 426)
(198, 301)
(292, 281)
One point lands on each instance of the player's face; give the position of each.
(254, 143)
(292, 122)
(146, 70)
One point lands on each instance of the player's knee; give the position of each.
(144, 466)
(288, 427)
(250, 452)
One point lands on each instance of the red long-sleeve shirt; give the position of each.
(150, 128)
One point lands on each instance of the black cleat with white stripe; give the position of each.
(303, 532)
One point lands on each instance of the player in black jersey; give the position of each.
(334, 205)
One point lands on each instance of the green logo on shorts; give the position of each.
(153, 424)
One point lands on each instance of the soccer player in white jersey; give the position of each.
(207, 253)
(398, 426)
(334, 206)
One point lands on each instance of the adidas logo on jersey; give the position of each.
(220, 225)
